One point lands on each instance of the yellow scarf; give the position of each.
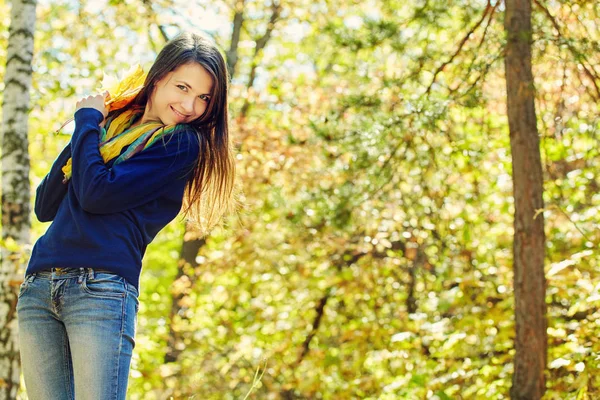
(118, 135)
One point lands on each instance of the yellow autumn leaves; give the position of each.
(124, 91)
(120, 92)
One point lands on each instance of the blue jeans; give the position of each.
(76, 333)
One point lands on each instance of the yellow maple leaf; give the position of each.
(122, 92)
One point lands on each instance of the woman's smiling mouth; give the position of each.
(180, 115)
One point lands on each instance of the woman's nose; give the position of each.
(188, 104)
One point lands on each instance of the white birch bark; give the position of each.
(15, 186)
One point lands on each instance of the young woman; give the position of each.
(124, 175)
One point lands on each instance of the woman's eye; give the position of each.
(182, 87)
(204, 97)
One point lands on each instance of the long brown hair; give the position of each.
(209, 193)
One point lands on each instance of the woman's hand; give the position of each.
(96, 102)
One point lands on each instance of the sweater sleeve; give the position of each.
(133, 182)
(51, 191)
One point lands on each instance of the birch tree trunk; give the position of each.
(529, 238)
(15, 186)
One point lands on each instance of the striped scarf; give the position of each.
(118, 135)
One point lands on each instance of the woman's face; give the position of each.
(181, 96)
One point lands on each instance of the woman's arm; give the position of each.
(133, 182)
(51, 191)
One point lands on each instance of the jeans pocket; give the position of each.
(25, 284)
(137, 302)
(135, 294)
(105, 285)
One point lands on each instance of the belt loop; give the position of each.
(33, 276)
(80, 277)
(91, 274)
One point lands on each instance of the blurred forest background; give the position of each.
(372, 257)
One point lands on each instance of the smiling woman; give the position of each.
(123, 177)
(181, 96)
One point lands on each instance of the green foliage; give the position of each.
(378, 203)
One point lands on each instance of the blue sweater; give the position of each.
(105, 216)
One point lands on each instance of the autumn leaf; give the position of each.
(121, 92)
(124, 91)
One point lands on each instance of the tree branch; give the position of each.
(320, 309)
(260, 44)
(481, 42)
(591, 75)
(488, 8)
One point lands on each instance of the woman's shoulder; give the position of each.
(192, 136)
(187, 131)
(184, 139)
(182, 134)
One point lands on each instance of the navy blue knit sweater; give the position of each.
(105, 216)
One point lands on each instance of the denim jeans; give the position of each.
(76, 333)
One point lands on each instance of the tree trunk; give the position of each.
(15, 186)
(238, 21)
(529, 239)
(185, 272)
